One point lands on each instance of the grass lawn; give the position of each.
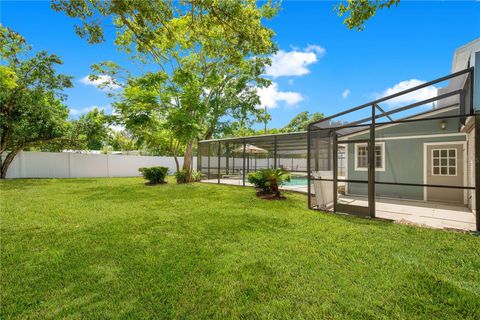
(115, 248)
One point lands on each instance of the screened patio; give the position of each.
(411, 161)
(391, 158)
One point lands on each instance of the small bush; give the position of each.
(182, 175)
(260, 180)
(268, 180)
(196, 176)
(154, 175)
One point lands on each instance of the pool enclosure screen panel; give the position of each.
(230, 160)
(328, 163)
(402, 149)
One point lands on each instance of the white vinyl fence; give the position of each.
(76, 165)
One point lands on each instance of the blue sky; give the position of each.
(321, 66)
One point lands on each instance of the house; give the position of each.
(437, 149)
(422, 152)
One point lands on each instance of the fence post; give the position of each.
(69, 164)
(108, 167)
(21, 164)
(219, 160)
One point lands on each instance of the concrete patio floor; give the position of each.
(429, 214)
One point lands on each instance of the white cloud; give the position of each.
(271, 96)
(295, 62)
(101, 79)
(345, 93)
(80, 111)
(317, 49)
(412, 97)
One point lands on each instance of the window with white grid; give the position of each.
(361, 157)
(444, 162)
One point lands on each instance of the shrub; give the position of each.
(154, 175)
(196, 176)
(181, 176)
(268, 180)
(259, 180)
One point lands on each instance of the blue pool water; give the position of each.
(297, 181)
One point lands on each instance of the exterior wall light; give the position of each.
(443, 124)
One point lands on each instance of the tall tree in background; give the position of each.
(300, 121)
(210, 56)
(357, 12)
(91, 130)
(121, 140)
(32, 112)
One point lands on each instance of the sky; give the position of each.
(321, 66)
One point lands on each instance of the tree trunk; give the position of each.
(187, 161)
(6, 163)
(275, 188)
(177, 165)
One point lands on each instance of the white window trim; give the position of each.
(357, 145)
(448, 165)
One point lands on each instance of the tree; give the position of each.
(32, 112)
(121, 140)
(91, 130)
(357, 12)
(210, 57)
(140, 110)
(300, 121)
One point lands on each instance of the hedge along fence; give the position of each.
(76, 165)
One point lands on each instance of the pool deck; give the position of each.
(238, 182)
(429, 214)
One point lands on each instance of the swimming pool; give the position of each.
(297, 181)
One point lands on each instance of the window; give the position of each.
(361, 157)
(444, 162)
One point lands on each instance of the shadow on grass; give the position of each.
(21, 184)
(427, 294)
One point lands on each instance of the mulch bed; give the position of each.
(269, 196)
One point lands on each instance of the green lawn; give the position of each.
(116, 248)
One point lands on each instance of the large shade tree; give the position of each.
(209, 57)
(32, 113)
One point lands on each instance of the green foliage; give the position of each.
(259, 180)
(244, 129)
(91, 130)
(359, 11)
(140, 111)
(182, 176)
(154, 175)
(32, 113)
(268, 180)
(196, 176)
(121, 140)
(210, 56)
(301, 121)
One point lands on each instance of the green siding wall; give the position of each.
(403, 158)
